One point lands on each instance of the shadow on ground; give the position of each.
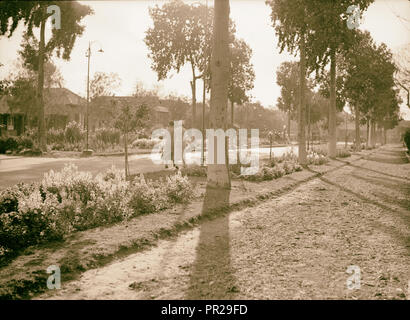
(212, 276)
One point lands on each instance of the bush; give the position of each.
(195, 171)
(25, 142)
(108, 136)
(406, 139)
(144, 143)
(8, 144)
(316, 158)
(55, 136)
(267, 173)
(73, 132)
(70, 200)
(343, 153)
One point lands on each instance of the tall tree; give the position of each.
(218, 174)
(35, 14)
(290, 20)
(287, 78)
(242, 74)
(179, 36)
(330, 34)
(368, 81)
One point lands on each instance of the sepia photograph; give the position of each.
(204, 155)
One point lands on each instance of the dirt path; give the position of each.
(296, 246)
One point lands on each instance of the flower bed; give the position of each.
(70, 200)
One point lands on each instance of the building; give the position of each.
(60, 107)
(104, 109)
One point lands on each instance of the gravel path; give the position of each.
(296, 246)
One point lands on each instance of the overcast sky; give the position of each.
(119, 28)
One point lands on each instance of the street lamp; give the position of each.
(88, 55)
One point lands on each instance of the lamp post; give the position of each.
(88, 55)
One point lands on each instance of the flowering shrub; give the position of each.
(73, 132)
(266, 173)
(195, 171)
(316, 158)
(144, 143)
(178, 188)
(343, 153)
(109, 136)
(70, 200)
(55, 136)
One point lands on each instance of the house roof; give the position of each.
(56, 101)
(62, 96)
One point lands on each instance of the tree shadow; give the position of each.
(368, 169)
(404, 216)
(389, 184)
(212, 276)
(397, 160)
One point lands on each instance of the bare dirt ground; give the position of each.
(296, 246)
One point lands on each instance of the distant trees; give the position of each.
(104, 84)
(290, 21)
(318, 30)
(179, 36)
(368, 85)
(287, 77)
(182, 34)
(242, 74)
(34, 14)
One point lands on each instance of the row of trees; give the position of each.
(348, 66)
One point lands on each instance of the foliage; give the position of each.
(109, 136)
(406, 139)
(104, 84)
(242, 74)
(15, 143)
(144, 143)
(73, 132)
(70, 200)
(316, 158)
(34, 15)
(194, 171)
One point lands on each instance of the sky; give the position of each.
(118, 27)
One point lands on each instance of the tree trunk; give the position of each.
(371, 135)
(193, 88)
(385, 135)
(218, 174)
(332, 108)
(302, 105)
(357, 128)
(126, 153)
(367, 133)
(308, 139)
(40, 88)
(289, 125)
(232, 106)
(203, 121)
